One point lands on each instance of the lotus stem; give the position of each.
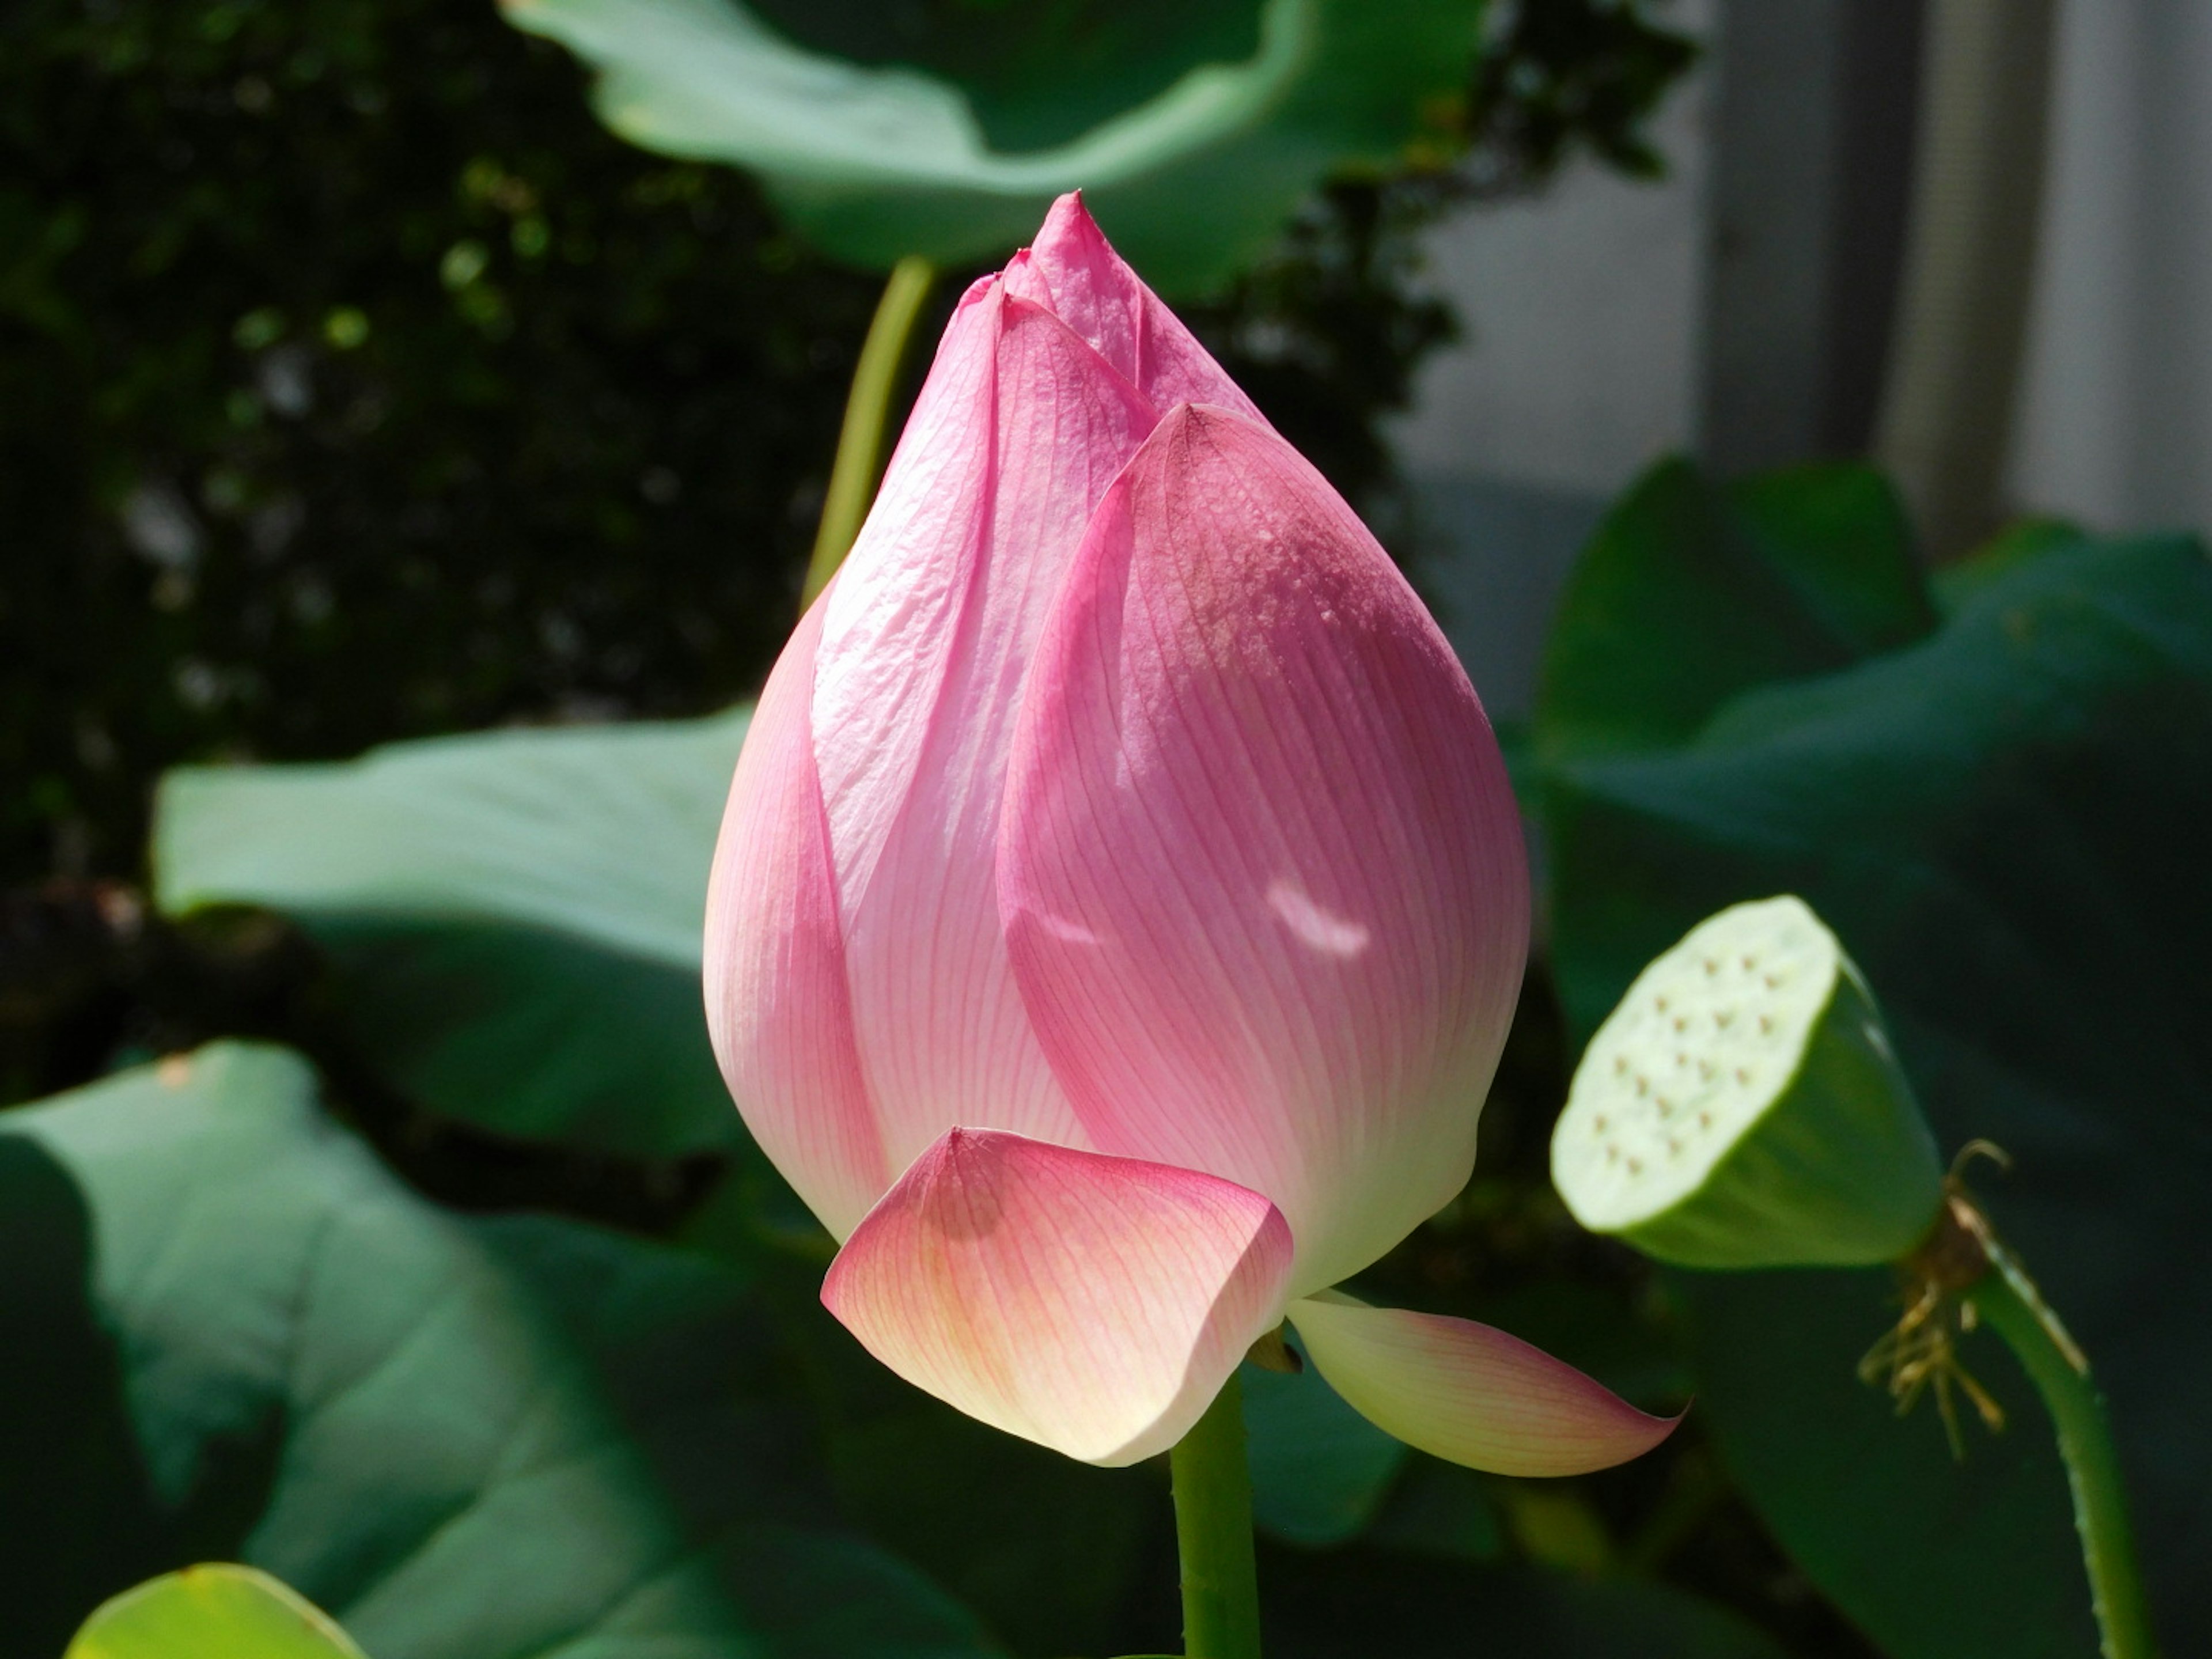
(2007, 1303)
(1213, 1534)
(867, 413)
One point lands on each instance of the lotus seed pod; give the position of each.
(1743, 1107)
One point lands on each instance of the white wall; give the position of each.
(1586, 351)
(1582, 312)
(2115, 426)
(1580, 309)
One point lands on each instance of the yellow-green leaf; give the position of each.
(216, 1611)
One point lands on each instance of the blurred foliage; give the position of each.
(355, 384)
(1569, 77)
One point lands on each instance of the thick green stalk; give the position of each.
(2009, 1306)
(1213, 1532)
(867, 410)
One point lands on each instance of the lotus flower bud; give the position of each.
(1743, 1107)
(1120, 904)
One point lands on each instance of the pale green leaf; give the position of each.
(514, 917)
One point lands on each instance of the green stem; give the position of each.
(867, 410)
(1213, 1532)
(2009, 1305)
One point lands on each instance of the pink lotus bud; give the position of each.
(1122, 905)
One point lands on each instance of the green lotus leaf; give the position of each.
(513, 918)
(466, 1439)
(2004, 824)
(1202, 123)
(1692, 592)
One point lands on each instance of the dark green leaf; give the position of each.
(1690, 593)
(1352, 1605)
(514, 917)
(1440, 1509)
(2006, 825)
(1319, 1469)
(1046, 1549)
(1932, 1555)
(2030, 538)
(483, 1441)
(1195, 166)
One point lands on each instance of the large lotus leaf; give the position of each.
(465, 1440)
(1034, 75)
(1691, 591)
(2006, 825)
(217, 1611)
(514, 917)
(1191, 159)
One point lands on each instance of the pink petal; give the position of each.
(1261, 872)
(1073, 271)
(1469, 1393)
(1093, 1305)
(925, 646)
(777, 1004)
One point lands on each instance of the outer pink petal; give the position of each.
(1469, 1393)
(927, 638)
(1093, 1304)
(777, 1004)
(1261, 872)
(1073, 271)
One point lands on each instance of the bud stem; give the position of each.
(1213, 1532)
(2085, 1442)
(868, 412)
